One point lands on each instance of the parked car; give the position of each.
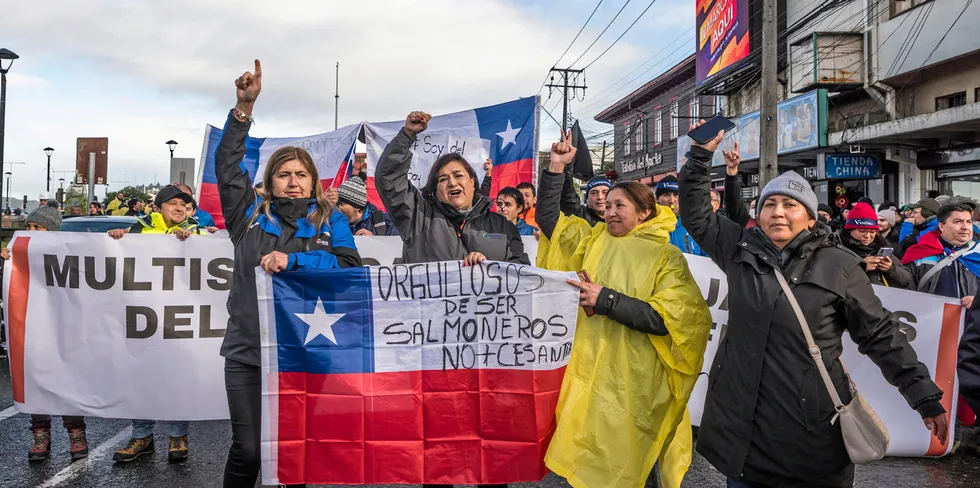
(97, 223)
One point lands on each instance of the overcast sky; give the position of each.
(141, 72)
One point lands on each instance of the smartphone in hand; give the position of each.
(583, 276)
(885, 252)
(709, 130)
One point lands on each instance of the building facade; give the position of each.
(648, 123)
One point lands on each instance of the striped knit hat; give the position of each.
(353, 192)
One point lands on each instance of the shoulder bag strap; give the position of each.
(814, 349)
(945, 262)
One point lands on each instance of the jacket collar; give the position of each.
(805, 243)
(480, 208)
(291, 212)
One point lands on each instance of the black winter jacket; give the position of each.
(570, 202)
(434, 231)
(767, 415)
(898, 276)
(331, 246)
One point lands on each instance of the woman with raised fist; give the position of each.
(283, 225)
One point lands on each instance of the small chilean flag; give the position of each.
(346, 168)
(437, 373)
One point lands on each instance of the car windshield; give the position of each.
(94, 225)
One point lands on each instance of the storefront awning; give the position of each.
(959, 124)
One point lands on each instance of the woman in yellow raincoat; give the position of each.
(623, 402)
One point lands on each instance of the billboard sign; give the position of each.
(801, 123)
(86, 145)
(722, 36)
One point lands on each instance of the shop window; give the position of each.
(720, 105)
(950, 101)
(658, 128)
(639, 131)
(627, 139)
(673, 121)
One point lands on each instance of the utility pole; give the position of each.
(336, 98)
(602, 158)
(768, 166)
(564, 86)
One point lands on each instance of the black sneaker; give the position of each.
(135, 449)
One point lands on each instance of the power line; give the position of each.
(601, 33)
(579, 33)
(621, 35)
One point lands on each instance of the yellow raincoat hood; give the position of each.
(623, 402)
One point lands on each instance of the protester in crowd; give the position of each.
(76, 211)
(487, 178)
(43, 199)
(940, 261)
(766, 421)
(95, 208)
(135, 208)
(510, 204)
(860, 235)
(636, 360)
(715, 201)
(825, 213)
(887, 221)
(888, 205)
(172, 219)
(734, 205)
(595, 195)
(115, 206)
(968, 359)
(866, 200)
(530, 202)
(449, 219)
(666, 193)
(203, 218)
(287, 224)
(752, 207)
(365, 219)
(922, 222)
(45, 218)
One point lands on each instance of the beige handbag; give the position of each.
(865, 435)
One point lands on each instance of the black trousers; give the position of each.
(243, 385)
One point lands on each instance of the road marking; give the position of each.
(75, 468)
(6, 414)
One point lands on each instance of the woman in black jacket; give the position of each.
(449, 219)
(284, 225)
(768, 418)
(860, 236)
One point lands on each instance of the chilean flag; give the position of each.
(346, 169)
(435, 374)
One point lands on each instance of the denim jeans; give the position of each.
(144, 428)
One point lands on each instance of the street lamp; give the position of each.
(8, 173)
(48, 151)
(172, 144)
(7, 58)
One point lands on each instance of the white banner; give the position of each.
(131, 329)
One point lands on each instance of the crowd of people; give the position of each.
(641, 337)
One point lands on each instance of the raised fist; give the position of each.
(562, 153)
(417, 122)
(249, 85)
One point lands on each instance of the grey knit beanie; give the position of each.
(889, 215)
(353, 192)
(792, 185)
(46, 217)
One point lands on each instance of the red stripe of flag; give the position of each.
(20, 282)
(416, 426)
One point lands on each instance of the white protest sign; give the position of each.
(131, 329)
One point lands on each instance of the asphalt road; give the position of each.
(209, 442)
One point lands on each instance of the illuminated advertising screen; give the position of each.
(723, 36)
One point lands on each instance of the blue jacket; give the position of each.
(525, 229)
(376, 221)
(204, 219)
(682, 240)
